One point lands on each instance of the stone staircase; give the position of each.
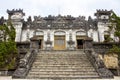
(59, 65)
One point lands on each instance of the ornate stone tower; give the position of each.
(16, 16)
(102, 23)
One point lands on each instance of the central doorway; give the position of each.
(40, 44)
(79, 43)
(59, 42)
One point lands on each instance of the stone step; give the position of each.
(61, 58)
(78, 77)
(60, 51)
(70, 64)
(61, 61)
(41, 74)
(62, 67)
(61, 77)
(62, 73)
(60, 70)
(60, 54)
(62, 64)
(54, 57)
(58, 58)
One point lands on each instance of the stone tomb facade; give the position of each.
(61, 32)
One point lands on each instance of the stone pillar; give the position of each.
(18, 28)
(16, 17)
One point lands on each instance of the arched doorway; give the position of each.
(59, 40)
(80, 37)
(39, 35)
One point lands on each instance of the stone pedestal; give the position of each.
(48, 45)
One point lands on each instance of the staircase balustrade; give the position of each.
(98, 64)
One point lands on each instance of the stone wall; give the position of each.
(102, 48)
(98, 64)
(110, 60)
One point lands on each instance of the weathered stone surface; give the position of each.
(99, 64)
(111, 61)
(24, 65)
(62, 65)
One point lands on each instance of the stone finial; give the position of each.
(11, 12)
(2, 20)
(29, 19)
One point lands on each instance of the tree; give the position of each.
(115, 20)
(8, 50)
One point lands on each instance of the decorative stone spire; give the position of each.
(11, 12)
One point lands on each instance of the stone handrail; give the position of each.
(25, 65)
(99, 65)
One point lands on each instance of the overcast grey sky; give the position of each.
(63, 7)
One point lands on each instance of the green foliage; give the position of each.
(107, 38)
(12, 32)
(115, 20)
(117, 33)
(8, 50)
(115, 50)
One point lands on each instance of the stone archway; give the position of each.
(59, 40)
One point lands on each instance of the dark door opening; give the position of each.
(40, 44)
(79, 44)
